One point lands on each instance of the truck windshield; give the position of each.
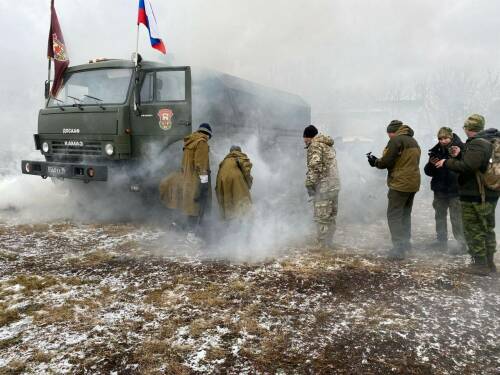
(92, 87)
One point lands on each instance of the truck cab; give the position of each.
(108, 114)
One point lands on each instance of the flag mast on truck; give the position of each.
(147, 17)
(56, 50)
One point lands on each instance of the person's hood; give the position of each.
(193, 139)
(321, 138)
(405, 130)
(236, 155)
(488, 134)
(456, 141)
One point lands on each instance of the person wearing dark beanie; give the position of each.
(401, 158)
(196, 188)
(310, 131)
(394, 126)
(322, 183)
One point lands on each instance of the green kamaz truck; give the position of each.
(111, 116)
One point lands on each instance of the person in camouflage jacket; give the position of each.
(322, 182)
(478, 216)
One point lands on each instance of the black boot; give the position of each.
(396, 253)
(479, 266)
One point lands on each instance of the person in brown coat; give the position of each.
(196, 188)
(171, 190)
(401, 158)
(234, 181)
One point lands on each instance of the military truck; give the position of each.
(111, 115)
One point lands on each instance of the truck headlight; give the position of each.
(109, 149)
(45, 147)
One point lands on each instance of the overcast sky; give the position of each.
(316, 48)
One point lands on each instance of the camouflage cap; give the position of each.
(394, 126)
(445, 132)
(474, 123)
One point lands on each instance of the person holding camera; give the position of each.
(444, 184)
(401, 158)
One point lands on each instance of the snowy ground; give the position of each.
(126, 299)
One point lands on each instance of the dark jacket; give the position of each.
(444, 181)
(402, 160)
(473, 159)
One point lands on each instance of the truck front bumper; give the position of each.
(84, 172)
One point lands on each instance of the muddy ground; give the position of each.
(135, 299)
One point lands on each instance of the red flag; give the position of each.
(57, 50)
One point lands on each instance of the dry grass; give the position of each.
(55, 315)
(155, 353)
(199, 326)
(33, 284)
(208, 297)
(8, 256)
(41, 357)
(29, 229)
(4, 344)
(8, 316)
(13, 368)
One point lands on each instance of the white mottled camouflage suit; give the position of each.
(323, 176)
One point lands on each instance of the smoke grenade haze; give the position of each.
(354, 61)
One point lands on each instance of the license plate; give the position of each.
(56, 171)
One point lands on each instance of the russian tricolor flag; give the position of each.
(148, 19)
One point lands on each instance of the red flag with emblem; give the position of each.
(57, 50)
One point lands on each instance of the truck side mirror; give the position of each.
(47, 89)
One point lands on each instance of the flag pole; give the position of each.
(136, 65)
(137, 47)
(50, 59)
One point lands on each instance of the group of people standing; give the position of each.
(465, 182)
(189, 190)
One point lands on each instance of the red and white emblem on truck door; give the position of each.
(165, 116)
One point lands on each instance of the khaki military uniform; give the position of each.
(234, 181)
(478, 217)
(195, 163)
(323, 176)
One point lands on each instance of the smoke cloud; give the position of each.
(358, 63)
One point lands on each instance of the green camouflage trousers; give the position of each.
(325, 216)
(442, 203)
(479, 227)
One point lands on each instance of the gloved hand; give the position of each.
(311, 191)
(372, 160)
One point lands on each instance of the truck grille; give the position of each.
(88, 149)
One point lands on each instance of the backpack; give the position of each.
(490, 179)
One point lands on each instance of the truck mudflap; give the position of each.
(85, 172)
